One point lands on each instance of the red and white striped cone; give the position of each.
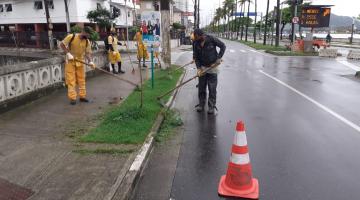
(238, 181)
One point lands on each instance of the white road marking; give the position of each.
(254, 51)
(243, 51)
(331, 112)
(347, 64)
(232, 51)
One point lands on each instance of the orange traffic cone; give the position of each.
(238, 181)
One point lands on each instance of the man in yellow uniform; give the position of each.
(77, 46)
(141, 51)
(114, 54)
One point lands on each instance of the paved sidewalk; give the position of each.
(36, 151)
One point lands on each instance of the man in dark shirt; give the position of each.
(206, 55)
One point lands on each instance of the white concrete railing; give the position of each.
(25, 78)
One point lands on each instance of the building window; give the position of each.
(1, 8)
(8, 7)
(51, 4)
(129, 14)
(38, 5)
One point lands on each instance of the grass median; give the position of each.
(260, 46)
(128, 123)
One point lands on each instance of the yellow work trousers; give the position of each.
(142, 52)
(75, 75)
(114, 58)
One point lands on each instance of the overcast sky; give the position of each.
(341, 7)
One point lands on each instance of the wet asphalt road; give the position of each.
(302, 120)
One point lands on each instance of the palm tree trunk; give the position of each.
(242, 22)
(266, 21)
(255, 21)
(247, 22)
(239, 21)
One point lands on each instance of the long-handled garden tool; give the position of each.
(185, 82)
(108, 73)
(128, 53)
(181, 67)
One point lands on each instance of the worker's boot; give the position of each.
(84, 100)
(113, 69)
(120, 70)
(72, 102)
(211, 110)
(200, 108)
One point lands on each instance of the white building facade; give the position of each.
(32, 12)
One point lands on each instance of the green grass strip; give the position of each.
(102, 151)
(129, 124)
(260, 46)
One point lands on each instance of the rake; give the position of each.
(108, 73)
(185, 82)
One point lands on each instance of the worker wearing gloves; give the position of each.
(77, 47)
(114, 54)
(206, 55)
(141, 48)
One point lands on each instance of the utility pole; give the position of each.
(165, 32)
(126, 23)
(195, 14)
(198, 13)
(277, 23)
(266, 21)
(352, 31)
(49, 23)
(67, 16)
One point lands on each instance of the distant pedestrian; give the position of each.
(328, 38)
(206, 55)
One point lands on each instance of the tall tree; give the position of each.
(67, 16)
(255, 21)
(285, 19)
(242, 21)
(165, 32)
(266, 21)
(277, 23)
(248, 21)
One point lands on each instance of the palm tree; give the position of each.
(255, 21)
(228, 6)
(242, 19)
(217, 17)
(266, 21)
(247, 21)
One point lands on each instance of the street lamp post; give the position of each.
(293, 25)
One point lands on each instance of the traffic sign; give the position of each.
(295, 20)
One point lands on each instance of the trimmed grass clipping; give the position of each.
(171, 121)
(128, 123)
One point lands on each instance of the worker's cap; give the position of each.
(198, 32)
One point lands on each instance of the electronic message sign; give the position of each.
(315, 16)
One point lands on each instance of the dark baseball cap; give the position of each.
(198, 32)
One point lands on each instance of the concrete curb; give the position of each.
(127, 180)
